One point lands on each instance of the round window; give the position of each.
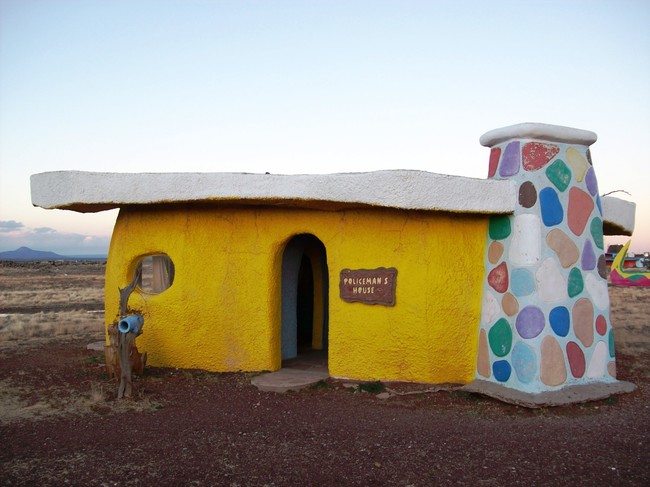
(156, 273)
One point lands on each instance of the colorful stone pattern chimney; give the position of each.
(545, 316)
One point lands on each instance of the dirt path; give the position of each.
(198, 428)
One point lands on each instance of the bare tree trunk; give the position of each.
(122, 356)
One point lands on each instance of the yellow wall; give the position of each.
(222, 312)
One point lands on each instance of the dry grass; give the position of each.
(630, 316)
(49, 324)
(16, 405)
(48, 300)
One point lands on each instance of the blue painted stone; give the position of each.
(576, 285)
(560, 320)
(501, 370)
(510, 161)
(592, 183)
(597, 232)
(599, 205)
(530, 322)
(588, 260)
(524, 362)
(611, 343)
(552, 212)
(522, 282)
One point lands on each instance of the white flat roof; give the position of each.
(403, 189)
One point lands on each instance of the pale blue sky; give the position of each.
(307, 87)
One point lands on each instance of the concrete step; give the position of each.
(285, 380)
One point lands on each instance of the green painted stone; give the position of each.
(559, 174)
(576, 284)
(499, 227)
(612, 348)
(597, 232)
(500, 338)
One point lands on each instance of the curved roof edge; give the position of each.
(402, 189)
(538, 131)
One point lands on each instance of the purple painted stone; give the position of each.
(530, 322)
(590, 179)
(588, 260)
(510, 161)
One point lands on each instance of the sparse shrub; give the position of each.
(376, 387)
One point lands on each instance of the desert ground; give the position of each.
(60, 423)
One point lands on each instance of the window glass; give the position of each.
(156, 273)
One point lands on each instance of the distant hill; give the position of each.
(25, 254)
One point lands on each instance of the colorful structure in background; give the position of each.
(620, 276)
(243, 271)
(545, 316)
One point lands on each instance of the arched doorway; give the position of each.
(305, 286)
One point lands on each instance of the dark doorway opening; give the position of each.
(305, 287)
(305, 305)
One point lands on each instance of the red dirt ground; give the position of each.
(203, 429)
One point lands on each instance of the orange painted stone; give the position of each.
(495, 251)
(581, 205)
(567, 251)
(611, 369)
(583, 321)
(498, 278)
(509, 304)
(483, 359)
(552, 369)
(536, 155)
(576, 358)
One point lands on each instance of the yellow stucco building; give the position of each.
(396, 275)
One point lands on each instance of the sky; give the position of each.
(307, 86)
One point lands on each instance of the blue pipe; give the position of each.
(131, 324)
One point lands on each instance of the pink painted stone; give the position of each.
(583, 321)
(495, 155)
(576, 357)
(552, 369)
(563, 245)
(495, 251)
(601, 325)
(536, 155)
(483, 359)
(509, 304)
(581, 205)
(498, 278)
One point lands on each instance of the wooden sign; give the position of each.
(370, 286)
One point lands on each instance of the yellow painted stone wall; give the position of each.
(222, 312)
